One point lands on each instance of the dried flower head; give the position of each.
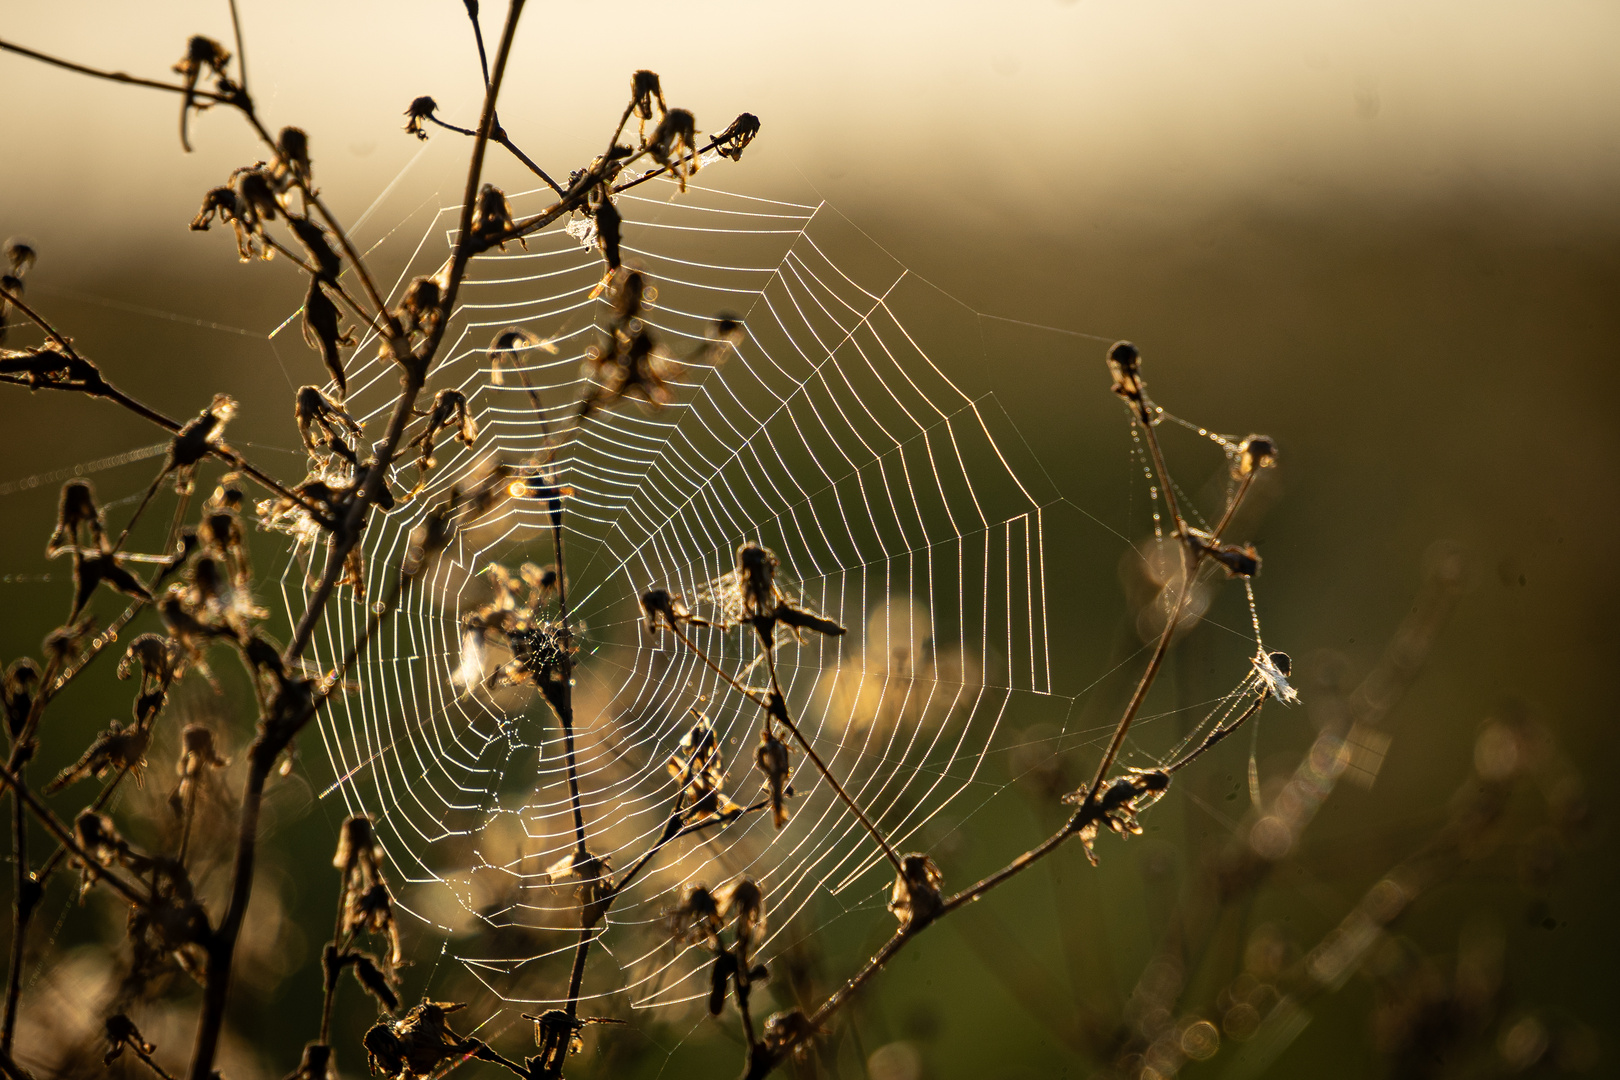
(771, 758)
(121, 1033)
(292, 146)
(915, 898)
(17, 692)
(118, 747)
(78, 521)
(696, 918)
(674, 144)
(742, 902)
(449, 413)
(738, 134)
(419, 308)
(197, 439)
(645, 90)
(792, 1028)
(323, 331)
(699, 771)
(1272, 670)
(420, 109)
(493, 218)
(203, 55)
(418, 1043)
(20, 256)
(321, 421)
(1115, 809)
(1125, 364)
(1253, 454)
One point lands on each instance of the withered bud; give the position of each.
(493, 216)
(696, 918)
(735, 139)
(1254, 453)
(743, 902)
(218, 202)
(419, 307)
(756, 579)
(115, 748)
(419, 110)
(1125, 364)
(792, 1028)
(771, 758)
(915, 898)
(20, 256)
(17, 693)
(357, 845)
(658, 604)
(202, 434)
(293, 143)
(645, 88)
(77, 510)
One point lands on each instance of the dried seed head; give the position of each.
(645, 89)
(735, 139)
(20, 256)
(420, 109)
(743, 902)
(696, 918)
(771, 758)
(78, 520)
(293, 143)
(17, 693)
(419, 307)
(756, 579)
(493, 216)
(200, 435)
(357, 846)
(1125, 364)
(915, 898)
(1253, 454)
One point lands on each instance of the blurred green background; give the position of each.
(1383, 233)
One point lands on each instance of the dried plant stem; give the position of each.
(775, 706)
(114, 76)
(24, 896)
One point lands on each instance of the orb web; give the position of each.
(827, 434)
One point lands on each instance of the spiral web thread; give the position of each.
(896, 503)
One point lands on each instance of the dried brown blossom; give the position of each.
(674, 144)
(322, 422)
(418, 1043)
(771, 758)
(557, 1034)
(121, 1033)
(735, 139)
(1115, 809)
(118, 747)
(197, 439)
(915, 898)
(322, 255)
(493, 218)
(791, 1028)
(197, 756)
(742, 902)
(696, 918)
(293, 147)
(1240, 560)
(645, 90)
(1125, 364)
(449, 413)
(157, 658)
(1253, 454)
(419, 309)
(203, 55)
(420, 109)
(78, 521)
(367, 905)
(17, 693)
(323, 331)
(699, 771)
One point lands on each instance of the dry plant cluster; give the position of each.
(199, 585)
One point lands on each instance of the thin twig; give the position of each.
(115, 76)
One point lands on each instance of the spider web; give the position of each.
(827, 434)
(900, 505)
